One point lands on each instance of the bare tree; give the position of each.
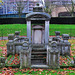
(49, 6)
(20, 6)
(70, 7)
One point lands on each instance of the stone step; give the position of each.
(38, 49)
(39, 53)
(38, 56)
(38, 61)
(40, 66)
(38, 46)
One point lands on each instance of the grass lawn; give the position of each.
(11, 28)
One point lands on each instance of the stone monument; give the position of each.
(53, 55)
(37, 50)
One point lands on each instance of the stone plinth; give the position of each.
(17, 47)
(10, 46)
(2, 62)
(53, 55)
(74, 61)
(65, 45)
(25, 59)
(25, 56)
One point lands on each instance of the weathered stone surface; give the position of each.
(40, 66)
(65, 45)
(74, 61)
(57, 33)
(36, 16)
(2, 65)
(25, 60)
(17, 47)
(53, 55)
(17, 33)
(25, 55)
(10, 48)
(2, 62)
(65, 36)
(11, 36)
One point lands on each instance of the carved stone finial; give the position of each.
(11, 36)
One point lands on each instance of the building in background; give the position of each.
(10, 6)
(61, 7)
(57, 7)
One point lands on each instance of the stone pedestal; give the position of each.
(2, 62)
(25, 59)
(17, 47)
(65, 45)
(18, 44)
(10, 46)
(53, 56)
(74, 61)
(25, 56)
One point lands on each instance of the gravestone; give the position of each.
(10, 45)
(53, 55)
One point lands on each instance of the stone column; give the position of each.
(32, 36)
(29, 30)
(46, 32)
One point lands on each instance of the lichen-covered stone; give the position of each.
(74, 61)
(65, 46)
(2, 62)
(25, 55)
(25, 59)
(17, 33)
(53, 55)
(2, 65)
(11, 36)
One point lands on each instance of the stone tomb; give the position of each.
(37, 50)
(38, 35)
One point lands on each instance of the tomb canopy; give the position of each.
(38, 16)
